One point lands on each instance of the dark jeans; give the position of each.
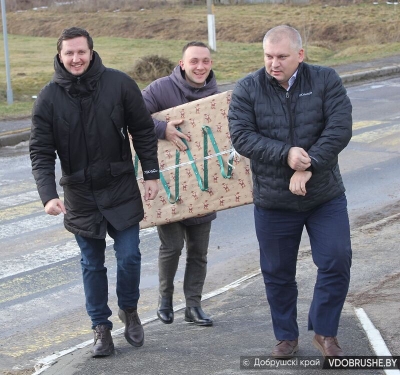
(172, 237)
(95, 283)
(279, 234)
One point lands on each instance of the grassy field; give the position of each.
(332, 35)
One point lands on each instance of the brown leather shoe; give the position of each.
(103, 343)
(285, 349)
(328, 346)
(134, 333)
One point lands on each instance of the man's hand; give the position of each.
(298, 182)
(298, 159)
(173, 135)
(150, 189)
(55, 207)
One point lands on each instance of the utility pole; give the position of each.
(4, 19)
(212, 40)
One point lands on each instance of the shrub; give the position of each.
(152, 67)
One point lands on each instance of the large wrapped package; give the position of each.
(210, 176)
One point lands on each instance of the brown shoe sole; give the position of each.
(287, 356)
(319, 347)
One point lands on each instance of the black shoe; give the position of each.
(134, 333)
(197, 316)
(165, 311)
(103, 343)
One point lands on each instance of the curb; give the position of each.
(386, 71)
(14, 137)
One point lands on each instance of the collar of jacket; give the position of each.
(82, 85)
(273, 80)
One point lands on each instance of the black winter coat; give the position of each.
(85, 120)
(265, 121)
(171, 91)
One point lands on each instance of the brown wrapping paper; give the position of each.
(222, 193)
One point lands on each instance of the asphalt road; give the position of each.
(40, 286)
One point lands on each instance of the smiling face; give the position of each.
(76, 55)
(282, 59)
(197, 63)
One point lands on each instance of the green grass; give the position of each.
(31, 63)
(336, 36)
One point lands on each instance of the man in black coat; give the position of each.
(191, 80)
(292, 120)
(84, 116)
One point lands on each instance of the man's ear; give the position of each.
(91, 54)
(301, 55)
(181, 64)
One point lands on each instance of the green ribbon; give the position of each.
(202, 182)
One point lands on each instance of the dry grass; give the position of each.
(150, 68)
(334, 32)
(334, 26)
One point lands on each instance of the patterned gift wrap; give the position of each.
(210, 176)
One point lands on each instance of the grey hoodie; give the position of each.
(174, 90)
(171, 91)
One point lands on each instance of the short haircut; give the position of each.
(71, 33)
(194, 44)
(276, 34)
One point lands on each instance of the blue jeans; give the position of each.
(95, 283)
(279, 235)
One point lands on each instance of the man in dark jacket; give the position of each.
(192, 79)
(292, 120)
(84, 115)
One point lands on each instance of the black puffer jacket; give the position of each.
(85, 120)
(171, 91)
(265, 121)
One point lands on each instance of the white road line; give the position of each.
(375, 135)
(11, 187)
(366, 124)
(15, 200)
(29, 225)
(45, 363)
(50, 255)
(39, 258)
(375, 338)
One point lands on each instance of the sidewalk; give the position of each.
(242, 324)
(14, 132)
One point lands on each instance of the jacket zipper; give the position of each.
(291, 130)
(291, 135)
(83, 128)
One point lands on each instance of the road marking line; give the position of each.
(375, 338)
(18, 199)
(15, 212)
(11, 187)
(29, 225)
(46, 362)
(50, 255)
(375, 135)
(366, 124)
